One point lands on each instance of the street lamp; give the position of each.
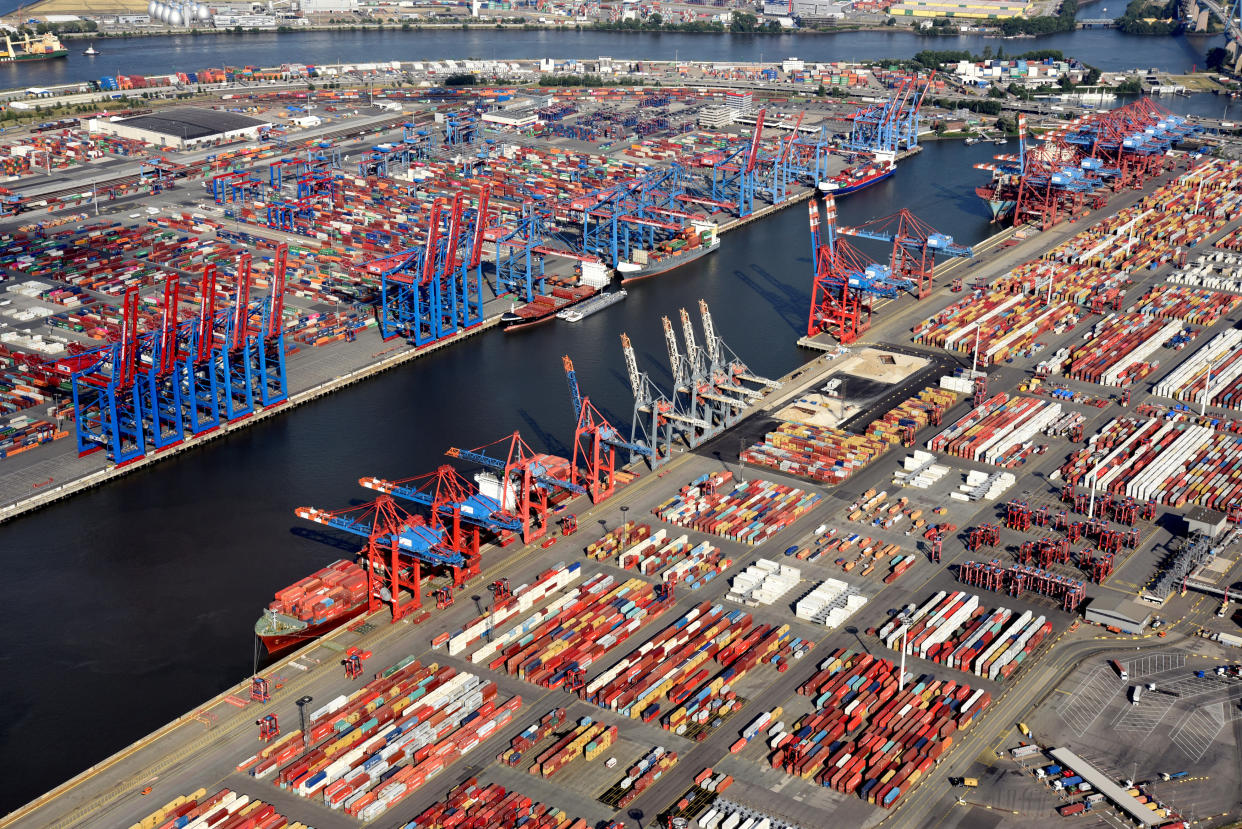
(904, 618)
(302, 703)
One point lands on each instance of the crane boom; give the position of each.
(631, 366)
(674, 356)
(694, 356)
(753, 155)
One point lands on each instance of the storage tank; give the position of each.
(152, 7)
(175, 17)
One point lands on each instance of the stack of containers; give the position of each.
(1189, 380)
(999, 432)
(832, 455)
(1197, 307)
(829, 604)
(1117, 352)
(1171, 462)
(673, 665)
(373, 749)
(547, 584)
(225, 808)
(763, 583)
(470, 803)
(955, 630)
(534, 733)
(575, 631)
(639, 777)
(749, 513)
(866, 737)
(617, 538)
(822, 453)
(588, 739)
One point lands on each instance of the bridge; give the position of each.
(1097, 23)
(1198, 10)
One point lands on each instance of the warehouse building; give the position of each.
(1118, 611)
(183, 127)
(1210, 522)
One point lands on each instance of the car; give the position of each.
(791, 550)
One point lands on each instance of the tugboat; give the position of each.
(91, 50)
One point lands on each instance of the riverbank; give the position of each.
(145, 32)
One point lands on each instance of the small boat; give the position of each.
(91, 50)
(974, 139)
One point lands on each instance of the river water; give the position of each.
(1108, 49)
(130, 604)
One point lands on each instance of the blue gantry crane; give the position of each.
(733, 177)
(150, 389)
(893, 126)
(433, 291)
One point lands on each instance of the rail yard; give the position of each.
(971, 564)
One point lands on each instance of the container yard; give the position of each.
(899, 567)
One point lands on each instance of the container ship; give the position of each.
(313, 606)
(856, 178)
(544, 308)
(693, 244)
(591, 306)
(45, 47)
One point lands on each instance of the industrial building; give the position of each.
(806, 9)
(976, 9)
(183, 127)
(1118, 611)
(1105, 785)
(712, 117)
(1209, 522)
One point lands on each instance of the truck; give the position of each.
(1071, 809)
(1136, 693)
(1120, 669)
(1229, 639)
(1177, 775)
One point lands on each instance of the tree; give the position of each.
(892, 21)
(987, 52)
(1216, 59)
(996, 92)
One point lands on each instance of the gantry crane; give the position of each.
(149, 388)
(842, 277)
(889, 128)
(595, 443)
(656, 417)
(398, 546)
(525, 484)
(450, 495)
(433, 291)
(915, 246)
(733, 178)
